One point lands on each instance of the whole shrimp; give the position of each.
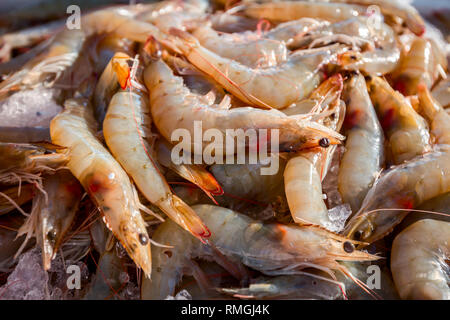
(364, 147)
(272, 249)
(407, 132)
(419, 260)
(436, 116)
(399, 189)
(277, 86)
(52, 214)
(174, 106)
(131, 147)
(421, 65)
(103, 178)
(304, 171)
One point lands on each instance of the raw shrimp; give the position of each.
(53, 213)
(247, 48)
(304, 172)
(399, 189)
(419, 261)
(406, 131)
(302, 286)
(420, 66)
(48, 66)
(292, 10)
(174, 107)
(268, 248)
(277, 86)
(436, 116)
(103, 178)
(127, 133)
(364, 147)
(442, 93)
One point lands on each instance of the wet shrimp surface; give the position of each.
(212, 149)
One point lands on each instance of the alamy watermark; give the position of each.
(234, 146)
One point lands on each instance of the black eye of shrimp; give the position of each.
(349, 247)
(324, 142)
(51, 235)
(143, 239)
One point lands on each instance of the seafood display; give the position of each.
(215, 149)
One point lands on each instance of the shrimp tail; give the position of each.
(183, 215)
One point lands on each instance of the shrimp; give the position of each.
(399, 189)
(277, 86)
(52, 214)
(436, 116)
(129, 111)
(302, 286)
(419, 261)
(67, 44)
(419, 66)
(303, 173)
(442, 93)
(48, 66)
(364, 148)
(407, 132)
(292, 10)
(174, 107)
(103, 178)
(247, 48)
(268, 248)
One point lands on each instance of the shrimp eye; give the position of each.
(349, 247)
(324, 142)
(143, 239)
(51, 235)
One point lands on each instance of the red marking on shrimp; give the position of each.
(352, 119)
(406, 203)
(400, 86)
(388, 118)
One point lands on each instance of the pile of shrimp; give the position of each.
(357, 92)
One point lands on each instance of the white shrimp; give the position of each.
(419, 261)
(103, 178)
(277, 86)
(364, 147)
